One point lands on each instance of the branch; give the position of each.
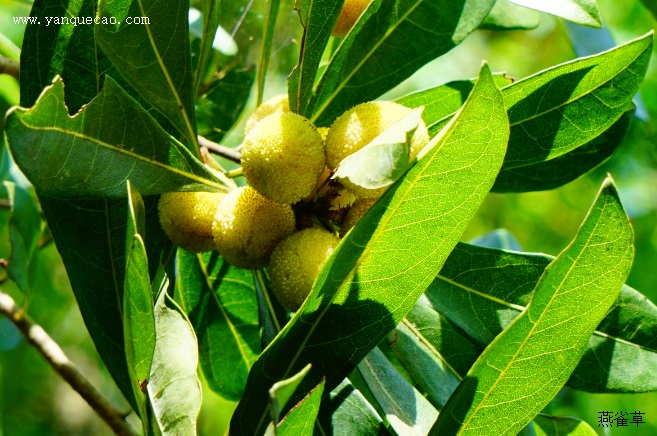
(54, 355)
(225, 152)
(7, 66)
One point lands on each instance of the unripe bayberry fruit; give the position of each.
(187, 217)
(351, 10)
(277, 104)
(358, 126)
(247, 227)
(295, 263)
(283, 157)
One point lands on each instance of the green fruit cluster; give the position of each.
(275, 221)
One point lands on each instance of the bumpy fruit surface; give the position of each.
(295, 263)
(247, 227)
(356, 212)
(277, 104)
(283, 157)
(351, 10)
(187, 217)
(358, 126)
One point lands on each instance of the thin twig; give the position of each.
(7, 66)
(225, 152)
(54, 355)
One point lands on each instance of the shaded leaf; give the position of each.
(87, 156)
(220, 302)
(222, 103)
(408, 412)
(210, 12)
(545, 425)
(526, 365)
(564, 169)
(269, 24)
(381, 162)
(138, 317)
(317, 18)
(174, 388)
(301, 419)
(272, 316)
(583, 12)
(346, 411)
(433, 351)
(385, 263)
(24, 230)
(509, 16)
(154, 57)
(281, 392)
(390, 41)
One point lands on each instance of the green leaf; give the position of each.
(210, 12)
(385, 263)
(433, 351)
(408, 412)
(651, 5)
(384, 160)
(153, 57)
(564, 169)
(443, 101)
(174, 388)
(24, 231)
(281, 392)
(549, 110)
(301, 419)
(138, 317)
(272, 317)
(269, 24)
(484, 290)
(346, 411)
(390, 42)
(87, 156)
(545, 425)
(220, 301)
(222, 103)
(508, 16)
(526, 365)
(584, 12)
(317, 18)
(89, 234)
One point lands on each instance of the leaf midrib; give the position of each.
(522, 345)
(231, 327)
(165, 71)
(123, 151)
(448, 131)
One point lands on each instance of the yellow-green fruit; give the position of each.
(358, 126)
(277, 104)
(247, 227)
(295, 263)
(356, 212)
(351, 10)
(187, 217)
(283, 157)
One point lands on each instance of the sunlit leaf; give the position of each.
(385, 263)
(526, 365)
(583, 12)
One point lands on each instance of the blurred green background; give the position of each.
(35, 401)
